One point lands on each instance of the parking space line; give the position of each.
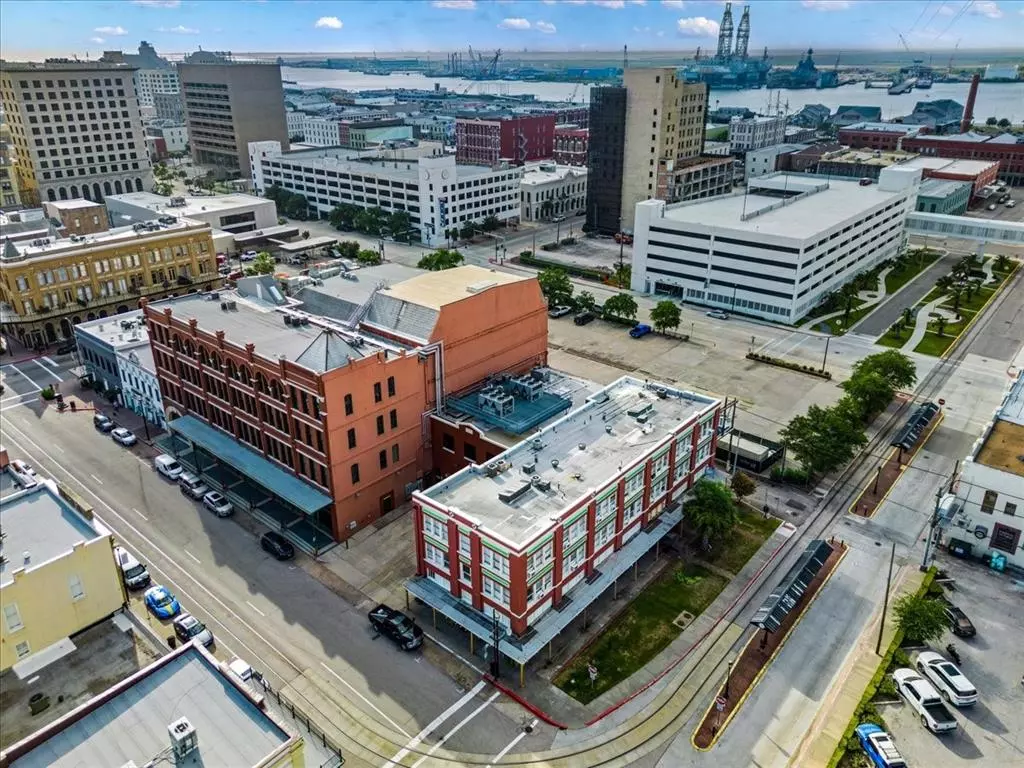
(419, 737)
(96, 479)
(48, 371)
(261, 613)
(50, 361)
(26, 377)
(139, 514)
(380, 712)
(511, 744)
(456, 729)
(195, 558)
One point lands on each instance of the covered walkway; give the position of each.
(942, 225)
(272, 494)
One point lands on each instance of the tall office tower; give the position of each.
(75, 130)
(229, 104)
(604, 163)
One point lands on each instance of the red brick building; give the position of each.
(1006, 148)
(883, 136)
(572, 145)
(518, 139)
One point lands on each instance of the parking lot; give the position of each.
(991, 732)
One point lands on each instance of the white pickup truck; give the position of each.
(922, 696)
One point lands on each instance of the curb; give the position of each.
(767, 664)
(536, 711)
(955, 342)
(903, 468)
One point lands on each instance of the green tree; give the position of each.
(621, 305)
(893, 365)
(368, 257)
(1004, 122)
(665, 315)
(742, 484)
(849, 294)
(400, 227)
(556, 286)
(957, 291)
(711, 512)
(940, 325)
(490, 224)
(908, 316)
(343, 216)
(921, 619)
(370, 221)
(991, 121)
(585, 301)
(871, 391)
(263, 264)
(440, 259)
(348, 249)
(824, 439)
(296, 207)
(545, 209)
(468, 229)
(896, 329)
(1002, 262)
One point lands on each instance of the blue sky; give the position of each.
(32, 28)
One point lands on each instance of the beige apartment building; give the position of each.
(665, 120)
(74, 129)
(229, 104)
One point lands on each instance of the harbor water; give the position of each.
(994, 99)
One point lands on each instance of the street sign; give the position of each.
(720, 703)
(592, 671)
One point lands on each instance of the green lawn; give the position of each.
(744, 541)
(642, 631)
(916, 264)
(935, 345)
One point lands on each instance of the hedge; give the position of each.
(589, 273)
(780, 363)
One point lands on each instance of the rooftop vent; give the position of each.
(224, 306)
(554, 463)
(509, 497)
(582, 446)
(529, 468)
(608, 428)
(287, 319)
(540, 484)
(184, 739)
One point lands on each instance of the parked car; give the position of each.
(396, 626)
(188, 627)
(991, 206)
(556, 219)
(22, 473)
(22, 467)
(559, 311)
(247, 256)
(277, 545)
(161, 602)
(878, 746)
(584, 317)
(133, 572)
(123, 436)
(168, 466)
(958, 621)
(925, 700)
(626, 238)
(718, 314)
(216, 503)
(66, 347)
(947, 678)
(192, 486)
(1010, 203)
(102, 423)
(639, 330)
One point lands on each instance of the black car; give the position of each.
(584, 317)
(396, 626)
(958, 621)
(102, 423)
(277, 545)
(66, 348)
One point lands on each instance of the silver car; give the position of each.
(188, 627)
(192, 486)
(123, 436)
(216, 503)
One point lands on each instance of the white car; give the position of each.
(718, 314)
(123, 436)
(23, 473)
(925, 700)
(559, 311)
(187, 627)
(216, 503)
(168, 466)
(950, 681)
(192, 485)
(247, 256)
(22, 467)
(1010, 203)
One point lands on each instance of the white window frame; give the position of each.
(635, 482)
(608, 505)
(659, 489)
(574, 531)
(21, 654)
(12, 618)
(435, 528)
(633, 511)
(540, 558)
(436, 556)
(76, 587)
(494, 561)
(465, 544)
(464, 577)
(496, 591)
(572, 561)
(540, 588)
(660, 465)
(604, 534)
(704, 452)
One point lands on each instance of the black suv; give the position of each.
(277, 545)
(396, 626)
(958, 621)
(584, 317)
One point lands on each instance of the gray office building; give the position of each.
(229, 104)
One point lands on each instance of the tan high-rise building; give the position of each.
(75, 131)
(227, 105)
(665, 123)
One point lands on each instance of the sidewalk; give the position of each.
(852, 680)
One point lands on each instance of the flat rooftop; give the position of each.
(868, 157)
(401, 163)
(193, 206)
(129, 721)
(1003, 447)
(436, 289)
(798, 219)
(38, 521)
(945, 165)
(589, 445)
(536, 174)
(942, 188)
(72, 205)
(883, 128)
(110, 331)
(60, 246)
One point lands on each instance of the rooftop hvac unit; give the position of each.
(529, 468)
(176, 202)
(184, 739)
(167, 220)
(639, 410)
(496, 401)
(508, 497)
(287, 319)
(540, 484)
(528, 388)
(232, 304)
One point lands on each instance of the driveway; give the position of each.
(876, 323)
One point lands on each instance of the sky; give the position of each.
(35, 29)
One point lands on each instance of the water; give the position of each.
(994, 99)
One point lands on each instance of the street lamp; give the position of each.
(728, 675)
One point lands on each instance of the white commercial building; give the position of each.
(761, 162)
(321, 132)
(151, 81)
(990, 489)
(234, 213)
(750, 133)
(296, 122)
(777, 250)
(419, 179)
(552, 190)
(140, 388)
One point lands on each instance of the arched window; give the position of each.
(117, 187)
(106, 188)
(261, 382)
(138, 184)
(215, 362)
(51, 195)
(86, 193)
(74, 192)
(275, 390)
(63, 193)
(97, 196)
(232, 369)
(190, 348)
(245, 375)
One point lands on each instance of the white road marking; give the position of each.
(380, 712)
(59, 448)
(139, 514)
(48, 371)
(195, 558)
(455, 730)
(419, 737)
(452, 652)
(50, 361)
(96, 479)
(261, 613)
(512, 743)
(26, 377)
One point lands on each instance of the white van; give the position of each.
(168, 466)
(132, 571)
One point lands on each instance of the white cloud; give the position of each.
(514, 24)
(615, 4)
(697, 26)
(328, 22)
(178, 30)
(117, 31)
(638, 2)
(986, 8)
(827, 5)
(545, 26)
(158, 3)
(947, 10)
(455, 5)
(661, 33)
(677, 4)
(97, 40)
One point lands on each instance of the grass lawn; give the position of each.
(935, 345)
(643, 630)
(745, 540)
(915, 265)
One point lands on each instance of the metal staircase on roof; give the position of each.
(360, 312)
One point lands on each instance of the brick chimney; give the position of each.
(965, 124)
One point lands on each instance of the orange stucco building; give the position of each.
(333, 388)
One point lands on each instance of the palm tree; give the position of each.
(958, 292)
(897, 328)
(849, 293)
(1002, 262)
(908, 316)
(940, 325)
(944, 283)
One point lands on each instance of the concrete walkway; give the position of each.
(878, 322)
(869, 299)
(921, 324)
(987, 268)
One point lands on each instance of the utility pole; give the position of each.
(931, 529)
(495, 639)
(825, 359)
(885, 602)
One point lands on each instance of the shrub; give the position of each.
(549, 247)
(793, 475)
(525, 254)
(47, 393)
(887, 688)
(568, 241)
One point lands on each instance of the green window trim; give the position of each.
(496, 548)
(436, 515)
(607, 492)
(539, 545)
(661, 452)
(435, 542)
(573, 547)
(575, 517)
(495, 577)
(540, 574)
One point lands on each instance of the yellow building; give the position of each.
(10, 197)
(49, 285)
(57, 571)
